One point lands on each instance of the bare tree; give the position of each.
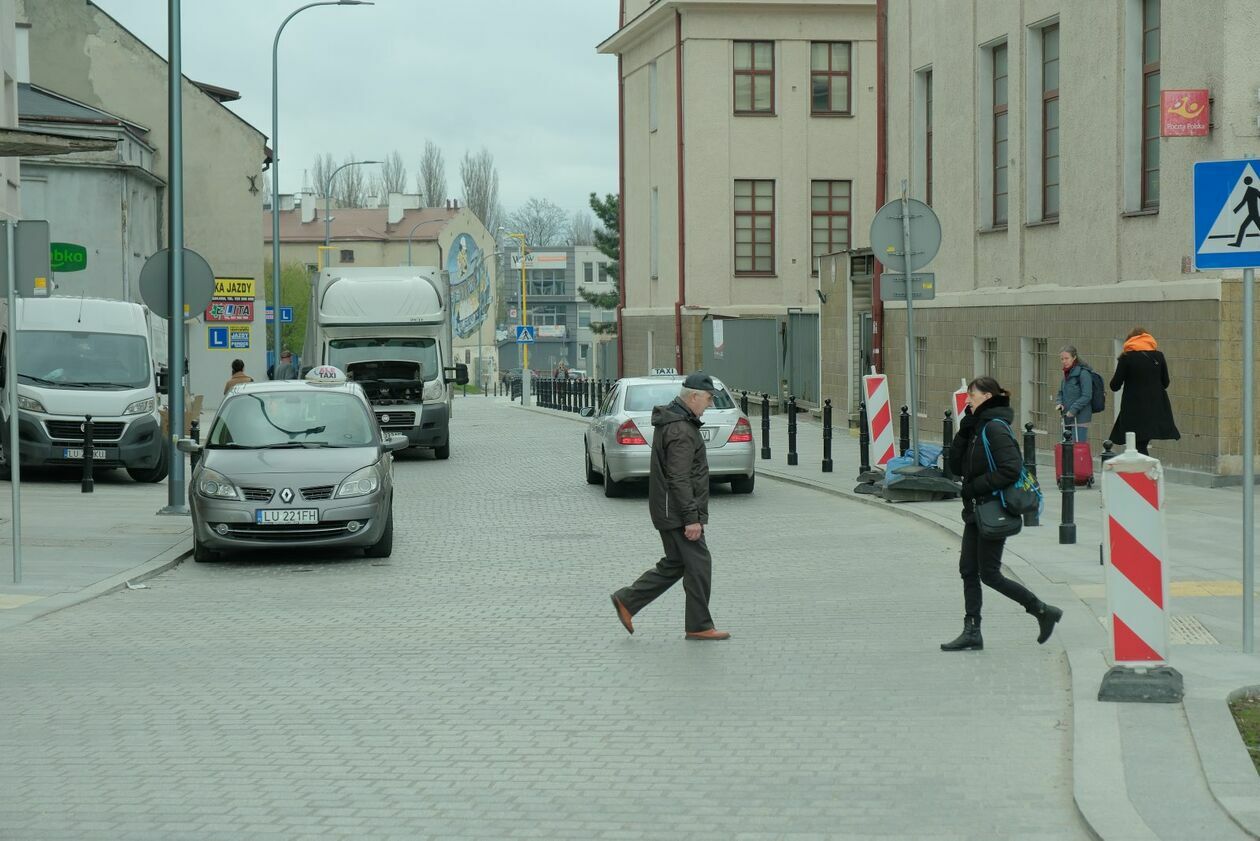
(323, 168)
(392, 174)
(431, 180)
(481, 186)
(543, 222)
(582, 228)
(350, 188)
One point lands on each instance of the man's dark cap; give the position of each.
(700, 381)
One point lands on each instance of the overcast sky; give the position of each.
(520, 78)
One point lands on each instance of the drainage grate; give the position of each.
(1184, 629)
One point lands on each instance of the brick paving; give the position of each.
(477, 684)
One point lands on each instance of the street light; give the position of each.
(328, 195)
(275, 159)
(413, 230)
(524, 312)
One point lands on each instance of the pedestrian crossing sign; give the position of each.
(524, 334)
(1227, 214)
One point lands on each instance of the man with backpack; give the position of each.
(1080, 394)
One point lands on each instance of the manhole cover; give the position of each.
(1184, 629)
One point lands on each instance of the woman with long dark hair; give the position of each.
(988, 416)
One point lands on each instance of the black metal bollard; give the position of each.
(89, 448)
(1105, 456)
(743, 402)
(194, 432)
(1067, 485)
(765, 425)
(792, 456)
(826, 462)
(1030, 464)
(904, 443)
(947, 441)
(864, 442)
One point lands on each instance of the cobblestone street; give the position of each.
(478, 685)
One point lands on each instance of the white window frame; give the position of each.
(984, 144)
(1132, 109)
(918, 160)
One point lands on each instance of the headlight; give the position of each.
(30, 404)
(216, 486)
(434, 389)
(141, 407)
(360, 483)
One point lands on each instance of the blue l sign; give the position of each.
(217, 338)
(1227, 214)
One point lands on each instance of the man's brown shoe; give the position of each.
(623, 613)
(711, 634)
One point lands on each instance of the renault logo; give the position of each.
(384, 418)
(286, 496)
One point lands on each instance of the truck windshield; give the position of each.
(56, 359)
(343, 353)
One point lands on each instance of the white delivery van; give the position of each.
(78, 357)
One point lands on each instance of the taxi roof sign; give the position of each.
(326, 375)
(664, 372)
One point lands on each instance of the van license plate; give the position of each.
(287, 517)
(77, 453)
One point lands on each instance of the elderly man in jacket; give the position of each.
(678, 498)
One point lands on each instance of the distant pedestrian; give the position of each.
(1145, 410)
(678, 499)
(981, 560)
(239, 377)
(287, 369)
(1076, 393)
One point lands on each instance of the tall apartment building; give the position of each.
(1033, 128)
(748, 152)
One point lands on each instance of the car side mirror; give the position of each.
(159, 382)
(587, 412)
(394, 443)
(188, 445)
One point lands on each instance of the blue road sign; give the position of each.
(524, 334)
(286, 314)
(217, 338)
(1227, 214)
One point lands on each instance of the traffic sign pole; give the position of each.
(1249, 466)
(905, 239)
(11, 452)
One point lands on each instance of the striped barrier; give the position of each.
(879, 418)
(960, 404)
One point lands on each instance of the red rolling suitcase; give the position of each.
(1082, 460)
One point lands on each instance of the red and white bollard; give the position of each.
(960, 404)
(879, 419)
(1135, 550)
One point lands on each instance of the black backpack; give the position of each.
(1098, 399)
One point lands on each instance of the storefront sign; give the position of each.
(238, 338)
(1184, 113)
(67, 257)
(230, 311)
(234, 288)
(541, 260)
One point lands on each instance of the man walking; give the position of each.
(239, 377)
(678, 499)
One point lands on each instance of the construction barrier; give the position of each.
(879, 418)
(960, 404)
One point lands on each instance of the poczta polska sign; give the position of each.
(67, 257)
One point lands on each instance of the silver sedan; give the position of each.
(618, 441)
(293, 464)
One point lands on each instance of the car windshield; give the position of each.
(297, 418)
(645, 397)
(344, 353)
(57, 359)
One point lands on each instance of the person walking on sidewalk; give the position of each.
(1076, 393)
(239, 377)
(678, 499)
(1142, 371)
(981, 560)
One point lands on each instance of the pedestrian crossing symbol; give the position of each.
(1227, 214)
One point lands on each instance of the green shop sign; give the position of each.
(68, 257)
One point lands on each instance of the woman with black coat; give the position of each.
(981, 560)
(1145, 410)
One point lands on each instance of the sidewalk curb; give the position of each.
(168, 559)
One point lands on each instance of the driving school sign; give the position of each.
(230, 311)
(234, 289)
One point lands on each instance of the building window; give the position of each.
(603, 272)
(584, 315)
(545, 282)
(829, 215)
(921, 375)
(754, 77)
(1050, 122)
(988, 356)
(588, 272)
(1039, 386)
(347, 255)
(1150, 104)
(754, 227)
(829, 78)
(999, 151)
(548, 315)
(584, 351)
(927, 137)
(652, 96)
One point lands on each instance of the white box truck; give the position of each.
(78, 357)
(389, 330)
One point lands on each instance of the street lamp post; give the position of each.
(328, 196)
(275, 160)
(520, 238)
(413, 230)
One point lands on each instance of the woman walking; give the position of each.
(981, 560)
(1145, 410)
(1076, 393)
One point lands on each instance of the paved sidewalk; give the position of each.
(76, 546)
(1194, 780)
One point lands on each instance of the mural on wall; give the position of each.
(470, 285)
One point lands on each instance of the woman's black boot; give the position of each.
(969, 639)
(1047, 616)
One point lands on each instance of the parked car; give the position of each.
(618, 440)
(294, 464)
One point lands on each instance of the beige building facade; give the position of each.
(748, 150)
(1033, 129)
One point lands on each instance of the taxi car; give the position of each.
(293, 464)
(617, 443)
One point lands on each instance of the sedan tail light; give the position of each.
(628, 433)
(742, 433)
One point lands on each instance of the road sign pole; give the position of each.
(905, 240)
(11, 452)
(1249, 467)
(175, 502)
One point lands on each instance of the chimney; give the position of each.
(286, 202)
(308, 207)
(411, 201)
(395, 208)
